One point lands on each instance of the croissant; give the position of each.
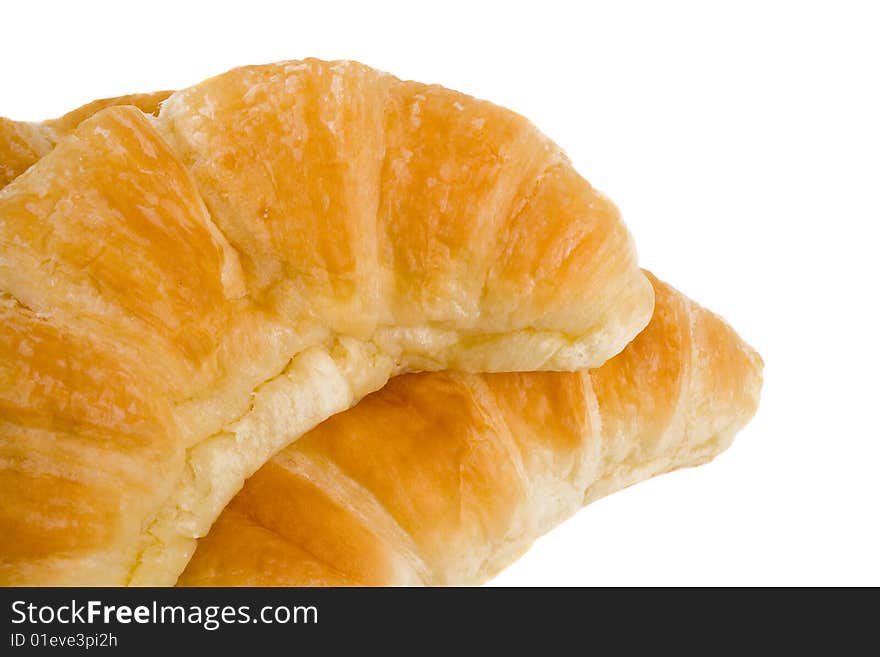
(444, 478)
(184, 294)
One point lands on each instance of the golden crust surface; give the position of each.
(22, 143)
(268, 248)
(444, 478)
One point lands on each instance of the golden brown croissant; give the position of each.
(444, 478)
(183, 295)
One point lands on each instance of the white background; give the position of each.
(742, 143)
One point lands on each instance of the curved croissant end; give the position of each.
(444, 479)
(184, 294)
(23, 143)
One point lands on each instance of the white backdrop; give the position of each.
(742, 143)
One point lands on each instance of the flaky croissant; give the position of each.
(183, 295)
(444, 478)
